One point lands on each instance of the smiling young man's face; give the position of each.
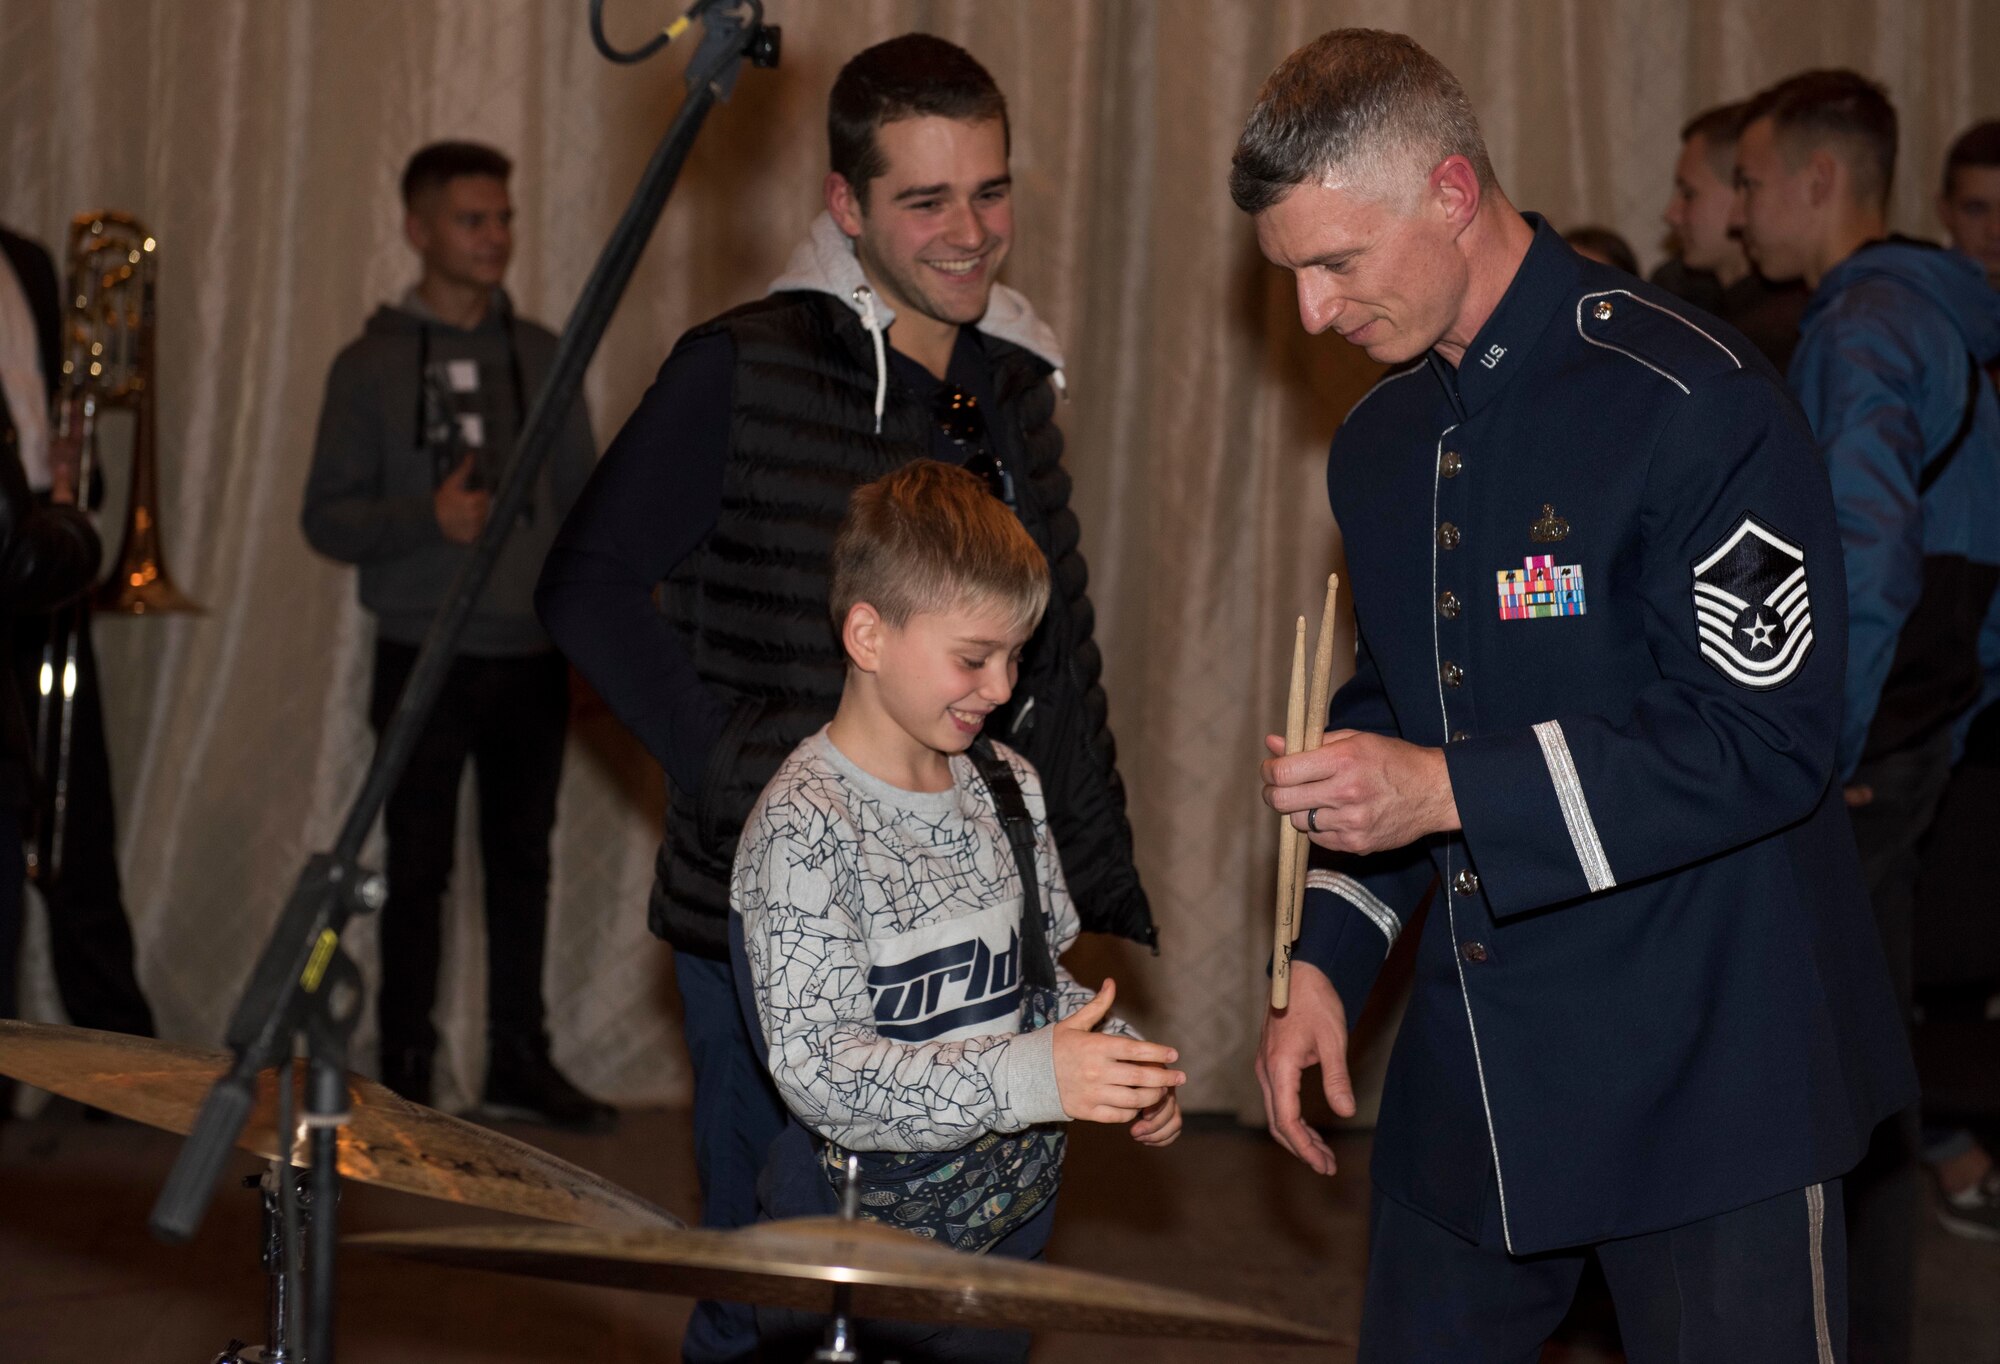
(937, 222)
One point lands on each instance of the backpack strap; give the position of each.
(1935, 469)
(1038, 967)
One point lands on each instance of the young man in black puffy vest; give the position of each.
(885, 340)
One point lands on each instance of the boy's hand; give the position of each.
(1160, 1124)
(1105, 1078)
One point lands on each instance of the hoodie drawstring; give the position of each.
(872, 322)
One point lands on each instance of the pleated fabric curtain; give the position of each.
(262, 144)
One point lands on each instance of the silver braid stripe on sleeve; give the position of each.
(1363, 899)
(1576, 810)
(1816, 1253)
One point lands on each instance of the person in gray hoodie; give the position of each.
(421, 415)
(1890, 369)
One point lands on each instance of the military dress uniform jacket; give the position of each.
(1598, 564)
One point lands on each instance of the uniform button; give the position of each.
(1449, 464)
(1448, 604)
(1473, 951)
(1466, 882)
(1451, 674)
(1458, 736)
(1603, 310)
(1448, 535)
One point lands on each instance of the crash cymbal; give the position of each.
(891, 1274)
(389, 1141)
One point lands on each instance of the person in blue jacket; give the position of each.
(1890, 370)
(1650, 1017)
(1957, 932)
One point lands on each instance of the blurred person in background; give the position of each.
(48, 555)
(90, 936)
(1604, 246)
(1957, 950)
(1709, 268)
(1889, 370)
(421, 416)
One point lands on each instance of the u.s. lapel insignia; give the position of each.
(1549, 527)
(1540, 587)
(1753, 615)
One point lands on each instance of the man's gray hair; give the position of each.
(1349, 108)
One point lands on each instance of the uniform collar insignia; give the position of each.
(1549, 527)
(1545, 281)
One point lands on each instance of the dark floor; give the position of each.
(1223, 1212)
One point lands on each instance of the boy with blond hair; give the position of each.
(899, 908)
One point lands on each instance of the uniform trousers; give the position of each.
(1885, 1193)
(508, 716)
(90, 938)
(1765, 1282)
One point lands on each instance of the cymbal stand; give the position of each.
(838, 1347)
(286, 1196)
(282, 1213)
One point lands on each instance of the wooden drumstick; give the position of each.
(1289, 845)
(1317, 697)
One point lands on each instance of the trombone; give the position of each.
(108, 363)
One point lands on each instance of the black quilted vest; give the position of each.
(751, 605)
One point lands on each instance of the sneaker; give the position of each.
(523, 1085)
(1973, 1212)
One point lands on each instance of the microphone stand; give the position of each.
(304, 984)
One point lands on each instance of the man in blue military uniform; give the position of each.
(1650, 1017)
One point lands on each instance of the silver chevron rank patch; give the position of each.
(1751, 609)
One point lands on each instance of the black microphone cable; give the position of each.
(659, 40)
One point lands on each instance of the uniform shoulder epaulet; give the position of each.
(1672, 344)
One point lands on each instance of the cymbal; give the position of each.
(892, 1274)
(388, 1141)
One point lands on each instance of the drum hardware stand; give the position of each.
(283, 1192)
(286, 1195)
(838, 1347)
(303, 982)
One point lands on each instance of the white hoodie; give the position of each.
(825, 263)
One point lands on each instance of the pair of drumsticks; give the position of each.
(1305, 726)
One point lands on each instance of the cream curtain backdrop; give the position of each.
(262, 142)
